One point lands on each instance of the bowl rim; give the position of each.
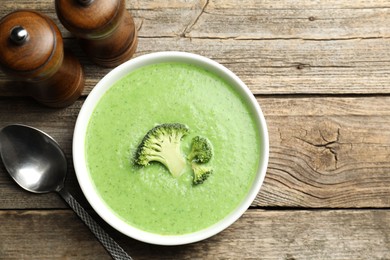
(86, 182)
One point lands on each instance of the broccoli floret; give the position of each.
(201, 151)
(201, 173)
(162, 144)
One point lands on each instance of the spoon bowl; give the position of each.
(36, 162)
(33, 159)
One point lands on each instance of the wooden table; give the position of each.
(321, 73)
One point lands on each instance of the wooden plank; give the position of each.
(271, 67)
(325, 151)
(273, 48)
(246, 18)
(325, 20)
(166, 18)
(258, 234)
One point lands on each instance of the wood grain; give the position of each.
(327, 152)
(324, 20)
(271, 67)
(247, 18)
(273, 49)
(324, 151)
(258, 234)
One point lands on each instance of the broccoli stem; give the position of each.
(170, 155)
(162, 144)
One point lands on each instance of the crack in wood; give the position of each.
(189, 27)
(331, 148)
(328, 145)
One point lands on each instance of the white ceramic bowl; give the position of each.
(85, 180)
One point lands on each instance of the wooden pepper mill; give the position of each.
(106, 30)
(31, 50)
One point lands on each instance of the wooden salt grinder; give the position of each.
(31, 51)
(106, 30)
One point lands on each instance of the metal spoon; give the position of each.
(37, 163)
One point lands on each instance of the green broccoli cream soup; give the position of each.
(149, 197)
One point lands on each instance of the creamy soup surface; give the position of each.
(149, 198)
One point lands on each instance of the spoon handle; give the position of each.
(115, 250)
